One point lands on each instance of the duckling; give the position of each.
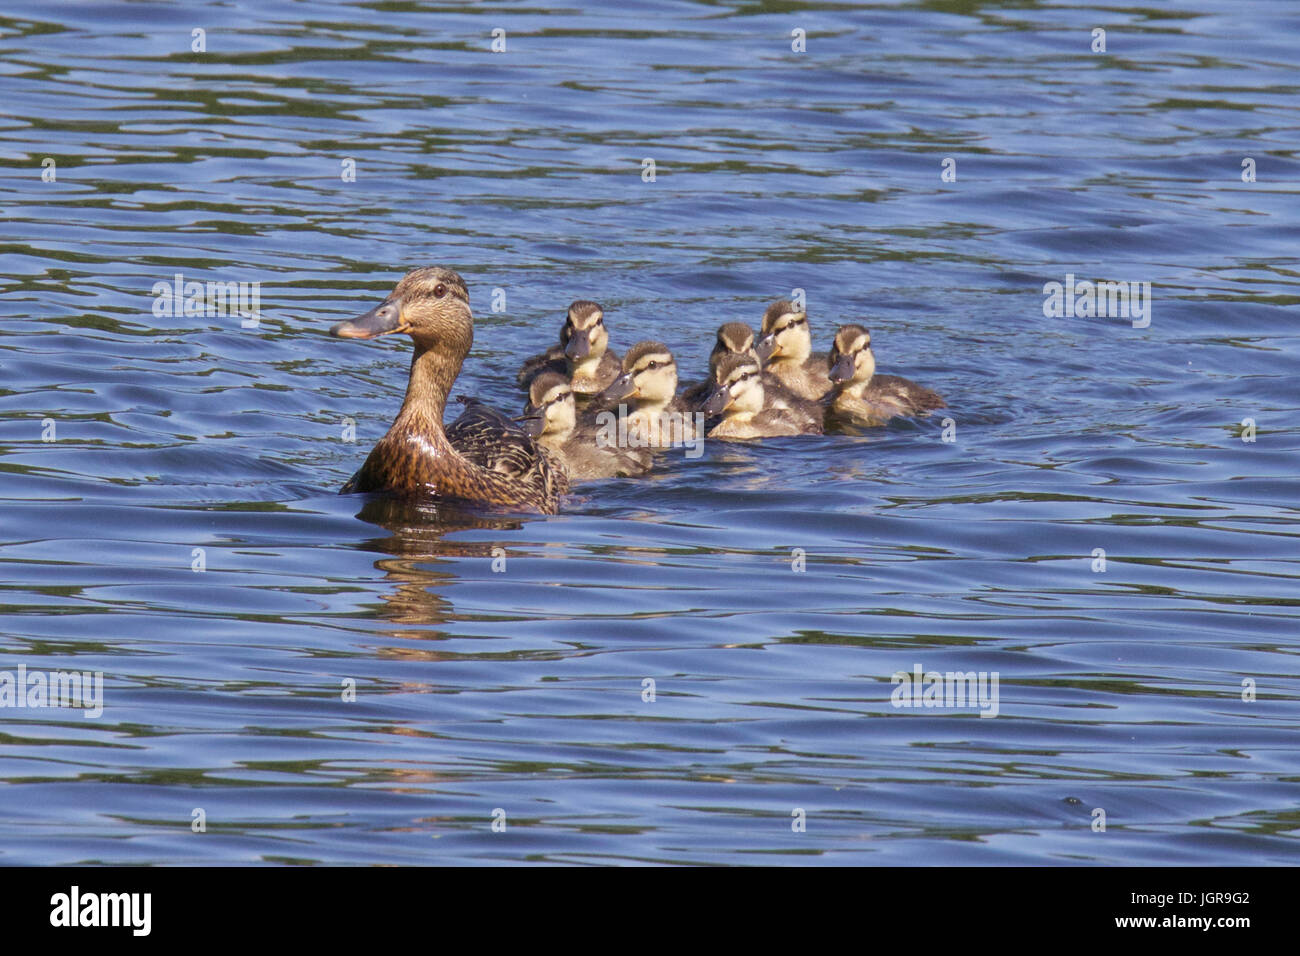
(786, 351)
(738, 397)
(481, 458)
(733, 338)
(860, 396)
(737, 338)
(551, 418)
(657, 418)
(583, 353)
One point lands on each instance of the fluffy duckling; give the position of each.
(657, 417)
(786, 351)
(860, 396)
(482, 458)
(739, 397)
(551, 417)
(583, 354)
(733, 338)
(737, 338)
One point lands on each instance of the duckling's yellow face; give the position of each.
(734, 338)
(785, 334)
(738, 387)
(584, 337)
(649, 375)
(430, 304)
(551, 407)
(851, 358)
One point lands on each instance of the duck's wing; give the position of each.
(552, 360)
(918, 398)
(492, 441)
(771, 423)
(807, 412)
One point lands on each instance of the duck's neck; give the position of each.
(856, 388)
(587, 366)
(865, 370)
(744, 410)
(648, 409)
(432, 373)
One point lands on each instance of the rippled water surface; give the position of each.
(521, 690)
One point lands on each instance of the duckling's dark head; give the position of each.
(737, 384)
(734, 338)
(851, 357)
(584, 333)
(551, 408)
(429, 304)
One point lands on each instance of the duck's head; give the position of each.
(734, 338)
(649, 375)
(551, 408)
(851, 358)
(431, 305)
(737, 387)
(785, 333)
(584, 334)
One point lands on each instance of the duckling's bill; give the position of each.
(842, 370)
(533, 424)
(579, 345)
(622, 387)
(718, 401)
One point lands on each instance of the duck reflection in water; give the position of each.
(415, 550)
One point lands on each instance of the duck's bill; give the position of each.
(842, 370)
(579, 346)
(533, 425)
(618, 389)
(766, 347)
(384, 319)
(717, 401)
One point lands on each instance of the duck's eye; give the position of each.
(439, 291)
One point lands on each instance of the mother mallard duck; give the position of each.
(482, 458)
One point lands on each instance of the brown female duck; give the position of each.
(582, 356)
(482, 458)
(551, 417)
(786, 351)
(860, 396)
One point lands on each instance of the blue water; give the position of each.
(521, 690)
